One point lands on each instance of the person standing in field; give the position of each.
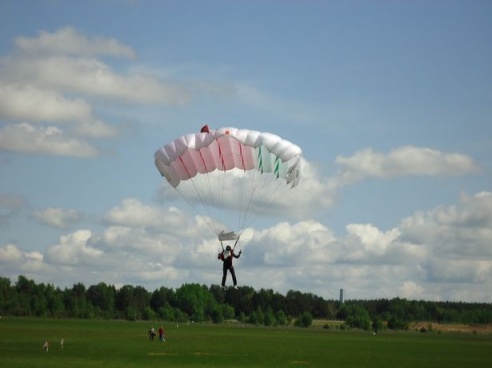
(161, 334)
(151, 333)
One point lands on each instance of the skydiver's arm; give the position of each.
(237, 240)
(220, 253)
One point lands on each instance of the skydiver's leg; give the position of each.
(224, 276)
(233, 273)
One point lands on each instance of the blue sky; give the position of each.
(390, 101)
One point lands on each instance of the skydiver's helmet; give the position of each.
(228, 248)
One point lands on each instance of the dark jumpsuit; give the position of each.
(226, 257)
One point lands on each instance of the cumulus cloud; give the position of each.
(26, 138)
(10, 254)
(73, 249)
(314, 194)
(403, 161)
(129, 250)
(457, 239)
(369, 244)
(413, 260)
(69, 41)
(15, 261)
(133, 213)
(21, 102)
(458, 271)
(411, 290)
(142, 243)
(93, 77)
(57, 80)
(288, 244)
(67, 60)
(462, 230)
(27, 103)
(57, 217)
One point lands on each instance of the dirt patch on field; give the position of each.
(479, 329)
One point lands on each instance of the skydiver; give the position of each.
(226, 257)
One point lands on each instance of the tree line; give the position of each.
(195, 302)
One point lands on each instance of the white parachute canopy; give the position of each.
(230, 170)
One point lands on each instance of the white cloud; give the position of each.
(15, 262)
(411, 290)
(27, 138)
(73, 249)
(143, 243)
(126, 239)
(132, 213)
(372, 239)
(27, 103)
(57, 217)
(10, 254)
(462, 230)
(58, 78)
(403, 161)
(302, 243)
(315, 193)
(92, 77)
(459, 271)
(69, 41)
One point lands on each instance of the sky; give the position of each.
(390, 102)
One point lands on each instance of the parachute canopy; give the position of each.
(229, 167)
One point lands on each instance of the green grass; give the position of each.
(125, 344)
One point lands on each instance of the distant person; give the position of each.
(46, 346)
(226, 257)
(152, 333)
(62, 342)
(161, 334)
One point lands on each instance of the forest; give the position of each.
(198, 303)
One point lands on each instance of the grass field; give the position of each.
(126, 344)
